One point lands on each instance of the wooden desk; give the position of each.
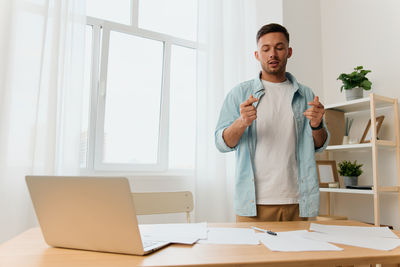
(29, 250)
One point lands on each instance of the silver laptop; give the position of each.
(90, 213)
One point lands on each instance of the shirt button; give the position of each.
(252, 201)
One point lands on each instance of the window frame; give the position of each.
(98, 91)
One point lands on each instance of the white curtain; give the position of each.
(226, 34)
(41, 80)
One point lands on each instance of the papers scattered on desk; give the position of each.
(234, 236)
(353, 230)
(294, 241)
(380, 238)
(183, 233)
(357, 241)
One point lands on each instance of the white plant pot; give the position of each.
(350, 180)
(354, 93)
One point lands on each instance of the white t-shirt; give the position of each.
(275, 156)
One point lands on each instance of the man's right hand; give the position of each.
(248, 113)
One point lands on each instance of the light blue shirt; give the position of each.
(245, 192)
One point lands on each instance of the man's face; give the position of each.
(273, 51)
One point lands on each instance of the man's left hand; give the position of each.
(315, 112)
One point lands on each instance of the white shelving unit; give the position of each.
(370, 103)
(348, 191)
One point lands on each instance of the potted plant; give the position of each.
(355, 82)
(350, 172)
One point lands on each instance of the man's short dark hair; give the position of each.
(272, 27)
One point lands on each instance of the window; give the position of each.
(183, 105)
(140, 85)
(132, 107)
(111, 10)
(178, 17)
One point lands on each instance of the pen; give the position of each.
(263, 230)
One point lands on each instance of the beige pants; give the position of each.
(287, 212)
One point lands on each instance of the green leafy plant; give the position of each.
(355, 79)
(348, 168)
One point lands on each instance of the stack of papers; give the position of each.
(381, 238)
(353, 230)
(190, 233)
(293, 241)
(183, 233)
(233, 236)
(283, 241)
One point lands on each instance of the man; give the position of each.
(275, 126)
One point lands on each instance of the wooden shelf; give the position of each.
(370, 103)
(347, 191)
(349, 147)
(380, 143)
(362, 104)
(382, 189)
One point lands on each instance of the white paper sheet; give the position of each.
(379, 243)
(353, 230)
(184, 233)
(293, 241)
(235, 236)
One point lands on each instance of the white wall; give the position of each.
(257, 13)
(358, 32)
(302, 20)
(334, 36)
